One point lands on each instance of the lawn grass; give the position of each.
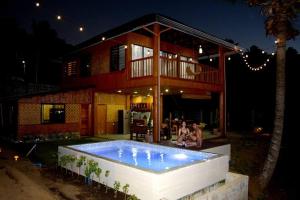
(46, 153)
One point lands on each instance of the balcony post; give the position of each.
(222, 98)
(128, 61)
(156, 89)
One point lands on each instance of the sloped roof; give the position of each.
(150, 19)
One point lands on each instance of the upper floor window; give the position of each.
(141, 52)
(85, 65)
(117, 58)
(71, 68)
(53, 113)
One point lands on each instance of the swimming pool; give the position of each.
(153, 171)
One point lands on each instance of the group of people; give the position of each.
(186, 136)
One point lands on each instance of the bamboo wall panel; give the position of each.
(29, 114)
(72, 113)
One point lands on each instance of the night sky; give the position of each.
(238, 22)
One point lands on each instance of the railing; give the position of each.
(168, 67)
(142, 67)
(173, 68)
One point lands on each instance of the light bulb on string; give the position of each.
(37, 4)
(260, 67)
(58, 17)
(81, 29)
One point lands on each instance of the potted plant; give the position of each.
(132, 197)
(64, 161)
(106, 175)
(91, 169)
(116, 188)
(98, 173)
(80, 161)
(72, 160)
(125, 189)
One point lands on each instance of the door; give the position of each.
(85, 120)
(100, 122)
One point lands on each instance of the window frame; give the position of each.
(52, 122)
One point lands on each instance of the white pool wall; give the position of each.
(148, 185)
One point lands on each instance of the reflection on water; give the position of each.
(148, 157)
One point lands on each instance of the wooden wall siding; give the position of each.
(113, 102)
(72, 113)
(112, 112)
(142, 99)
(29, 114)
(113, 99)
(80, 96)
(47, 129)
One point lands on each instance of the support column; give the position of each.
(222, 100)
(156, 89)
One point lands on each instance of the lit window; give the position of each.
(53, 113)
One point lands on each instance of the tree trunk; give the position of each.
(274, 149)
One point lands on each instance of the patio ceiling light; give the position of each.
(200, 49)
(119, 91)
(135, 92)
(181, 91)
(150, 89)
(166, 90)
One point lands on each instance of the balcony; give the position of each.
(175, 69)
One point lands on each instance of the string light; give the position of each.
(58, 17)
(103, 38)
(210, 59)
(259, 67)
(81, 29)
(229, 58)
(37, 4)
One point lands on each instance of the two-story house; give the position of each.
(141, 67)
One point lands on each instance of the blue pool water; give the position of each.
(151, 157)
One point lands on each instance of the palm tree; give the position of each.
(280, 17)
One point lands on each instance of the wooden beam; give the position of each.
(156, 76)
(222, 103)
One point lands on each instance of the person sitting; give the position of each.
(196, 135)
(183, 133)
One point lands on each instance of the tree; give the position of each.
(280, 17)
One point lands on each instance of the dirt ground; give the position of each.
(21, 180)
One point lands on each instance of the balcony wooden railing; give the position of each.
(141, 67)
(174, 68)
